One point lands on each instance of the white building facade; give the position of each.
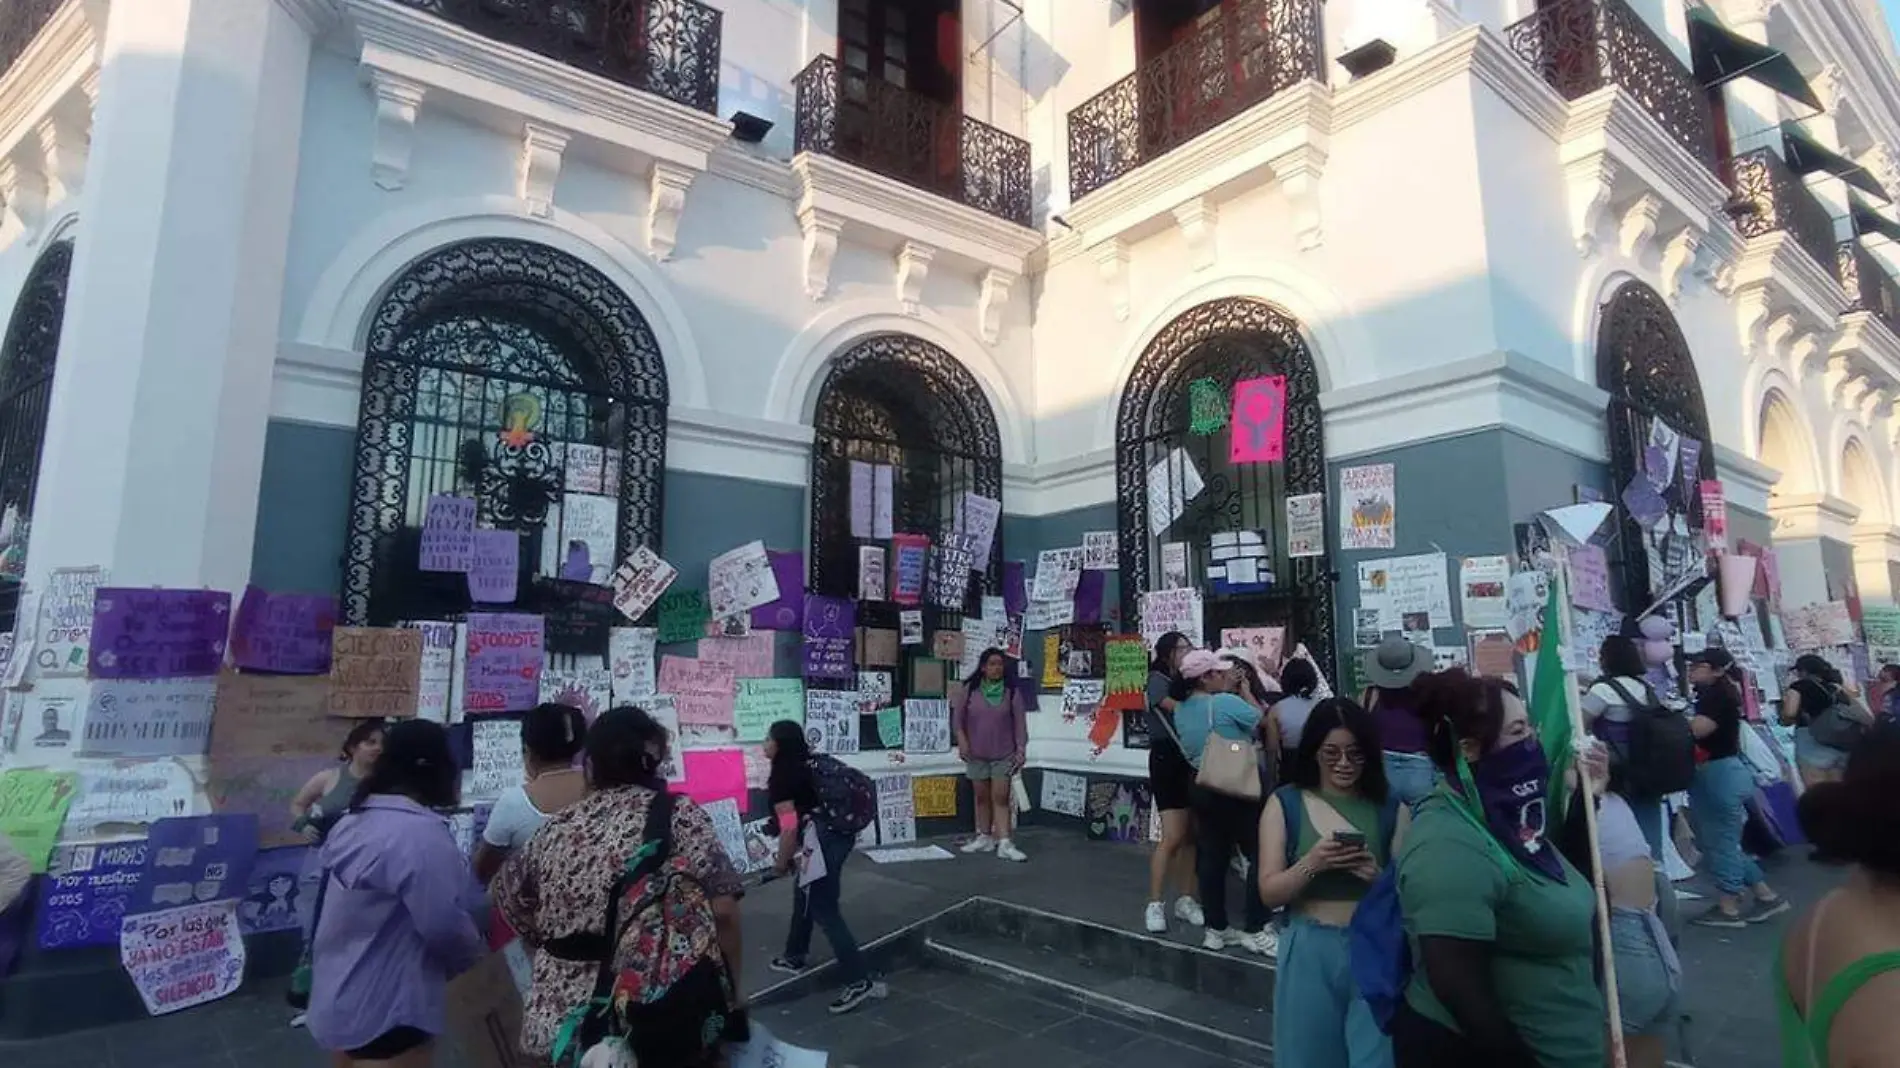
(281, 269)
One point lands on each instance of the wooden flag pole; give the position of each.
(1612, 1003)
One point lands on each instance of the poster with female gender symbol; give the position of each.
(1258, 429)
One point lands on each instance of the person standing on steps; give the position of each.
(1171, 779)
(1223, 822)
(992, 735)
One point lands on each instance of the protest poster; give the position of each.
(934, 796)
(581, 470)
(1064, 794)
(763, 702)
(976, 518)
(436, 675)
(503, 667)
(51, 718)
(482, 1009)
(1173, 481)
(660, 708)
(712, 774)
(589, 689)
(158, 633)
(494, 567)
(1306, 525)
(883, 500)
(285, 633)
(830, 637)
(871, 574)
(375, 672)
(740, 579)
(85, 892)
(896, 810)
(1881, 624)
(875, 689)
(281, 893)
(1058, 573)
(148, 717)
(703, 693)
(753, 656)
(630, 658)
(1491, 653)
(1419, 584)
(831, 721)
(762, 1050)
(1168, 610)
(185, 956)
(890, 728)
(1118, 811)
(1100, 550)
(1481, 582)
(33, 805)
(1257, 433)
(588, 537)
(1590, 579)
(926, 726)
(952, 560)
(196, 858)
(787, 610)
(274, 715)
(860, 499)
(496, 745)
(910, 558)
(683, 615)
(260, 785)
(447, 542)
(65, 621)
(1081, 697)
(1714, 514)
(1265, 646)
(1174, 565)
(640, 581)
(1368, 507)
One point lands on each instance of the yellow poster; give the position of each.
(1052, 660)
(935, 796)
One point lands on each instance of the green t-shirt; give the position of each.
(1453, 883)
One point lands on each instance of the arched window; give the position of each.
(519, 376)
(26, 389)
(1178, 397)
(1644, 364)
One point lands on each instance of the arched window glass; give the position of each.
(1644, 364)
(26, 390)
(1178, 397)
(519, 376)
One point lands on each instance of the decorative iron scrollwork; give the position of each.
(1869, 287)
(1227, 341)
(27, 359)
(1779, 200)
(485, 362)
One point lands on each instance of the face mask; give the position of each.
(1511, 782)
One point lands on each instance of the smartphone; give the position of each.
(1356, 839)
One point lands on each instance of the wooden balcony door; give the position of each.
(901, 66)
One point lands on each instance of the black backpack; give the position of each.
(1661, 756)
(847, 799)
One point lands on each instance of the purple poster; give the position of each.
(788, 612)
(831, 627)
(1691, 457)
(194, 859)
(1645, 505)
(1088, 596)
(85, 893)
(504, 662)
(448, 534)
(158, 634)
(281, 893)
(283, 633)
(494, 567)
(1015, 588)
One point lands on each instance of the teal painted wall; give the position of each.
(1744, 525)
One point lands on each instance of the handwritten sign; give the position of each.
(741, 579)
(287, 633)
(1127, 673)
(1590, 579)
(830, 637)
(1058, 573)
(640, 581)
(926, 726)
(33, 804)
(910, 559)
(1259, 423)
(494, 567)
(184, 956)
(196, 858)
(496, 747)
(121, 795)
(448, 534)
(503, 672)
(896, 810)
(85, 892)
(935, 796)
(763, 702)
(1064, 794)
(375, 672)
(65, 626)
(1368, 507)
(703, 693)
(630, 658)
(1166, 610)
(1305, 525)
(149, 717)
(890, 728)
(831, 721)
(436, 677)
(158, 634)
(683, 616)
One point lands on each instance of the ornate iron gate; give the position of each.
(27, 359)
(1221, 343)
(486, 363)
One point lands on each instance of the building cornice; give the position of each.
(1505, 390)
(317, 17)
(1747, 483)
(1814, 515)
(61, 58)
(1477, 50)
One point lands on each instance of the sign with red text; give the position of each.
(185, 956)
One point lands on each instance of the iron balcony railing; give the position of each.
(1769, 197)
(20, 22)
(669, 48)
(1252, 51)
(1580, 46)
(1869, 287)
(912, 139)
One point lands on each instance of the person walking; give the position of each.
(1223, 822)
(792, 787)
(1390, 669)
(1171, 781)
(1837, 977)
(1610, 707)
(992, 734)
(1818, 691)
(394, 927)
(1719, 797)
(1324, 838)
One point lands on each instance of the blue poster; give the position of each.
(196, 858)
(281, 893)
(85, 893)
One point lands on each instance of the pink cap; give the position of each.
(1199, 662)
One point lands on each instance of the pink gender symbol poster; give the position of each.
(1258, 428)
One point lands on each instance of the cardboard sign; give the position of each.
(375, 672)
(483, 1009)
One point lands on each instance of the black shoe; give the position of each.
(857, 994)
(788, 965)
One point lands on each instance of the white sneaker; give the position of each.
(1264, 942)
(982, 843)
(1216, 940)
(1188, 909)
(1007, 850)
(1156, 918)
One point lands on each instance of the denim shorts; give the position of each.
(986, 770)
(1645, 988)
(1813, 754)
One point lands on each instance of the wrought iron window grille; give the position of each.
(1780, 201)
(27, 359)
(1869, 287)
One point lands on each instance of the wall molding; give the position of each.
(1503, 389)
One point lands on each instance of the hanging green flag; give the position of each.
(1207, 406)
(1550, 705)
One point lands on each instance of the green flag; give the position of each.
(1549, 704)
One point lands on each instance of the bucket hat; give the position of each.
(1396, 662)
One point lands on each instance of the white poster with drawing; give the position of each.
(65, 627)
(1481, 582)
(1064, 794)
(1306, 525)
(1368, 507)
(1173, 481)
(831, 721)
(741, 579)
(660, 708)
(587, 537)
(1174, 565)
(630, 658)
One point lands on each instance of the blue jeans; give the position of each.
(1410, 776)
(818, 904)
(1648, 973)
(1319, 1019)
(1649, 820)
(1717, 811)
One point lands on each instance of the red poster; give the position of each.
(1714, 516)
(910, 553)
(1258, 428)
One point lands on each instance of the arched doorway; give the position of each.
(517, 375)
(1203, 353)
(1644, 364)
(27, 358)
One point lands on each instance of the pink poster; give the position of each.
(1714, 515)
(714, 774)
(1590, 579)
(1258, 431)
(702, 693)
(750, 657)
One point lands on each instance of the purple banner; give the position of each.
(194, 859)
(831, 626)
(1015, 588)
(1088, 596)
(1645, 505)
(504, 662)
(281, 893)
(788, 612)
(495, 567)
(1691, 459)
(85, 892)
(448, 534)
(283, 633)
(158, 634)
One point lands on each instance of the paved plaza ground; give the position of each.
(937, 1017)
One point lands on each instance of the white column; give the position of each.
(1801, 525)
(155, 439)
(1875, 552)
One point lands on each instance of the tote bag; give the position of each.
(1229, 766)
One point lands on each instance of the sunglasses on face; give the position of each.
(1349, 757)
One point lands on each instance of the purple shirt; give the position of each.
(393, 927)
(995, 731)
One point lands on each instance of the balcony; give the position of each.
(911, 139)
(1581, 46)
(1226, 67)
(1774, 199)
(1869, 287)
(669, 48)
(19, 24)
